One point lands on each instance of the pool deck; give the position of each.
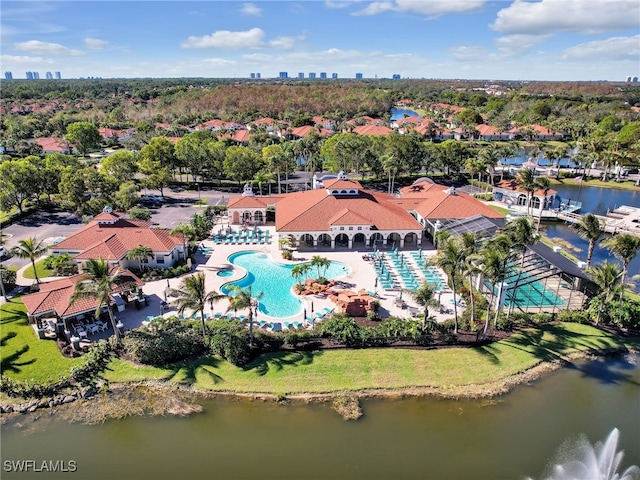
(362, 276)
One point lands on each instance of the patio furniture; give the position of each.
(92, 328)
(82, 334)
(101, 325)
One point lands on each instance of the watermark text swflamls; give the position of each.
(40, 466)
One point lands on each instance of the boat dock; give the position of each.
(624, 219)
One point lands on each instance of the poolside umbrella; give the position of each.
(312, 306)
(420, 252)
(401, 261)
(400, 295)
(376, 284)
(305, 313)
(388, 275)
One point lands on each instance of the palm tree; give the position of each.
(244, 298)
(471, 245)
(606, 276)
(192, 294)
(589, 229)
(30, 248)
(187, 232)
(423, 295)
(99, 284)
(451, 258)
(322, 265)
(492, 263)
(522, 234)
(526, 178)
(624, 247)
(544, 184)
(300, 270)
(139, 254)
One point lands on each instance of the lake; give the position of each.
(594, 200)
(512, 436)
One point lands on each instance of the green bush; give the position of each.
(8, 279)
(230, 340)
(576, 316)
(163, 341)
(268, 341)
(342, 328)
(140, 214)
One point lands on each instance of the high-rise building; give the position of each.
(323, 74)
(628, 78)
(358, 76)
(312, 74)
(36, 75)
(29, 75)
(283, 75)
(8, 75)
(58, 76)
(300, 75)
(49, 76)
(252, 75)
(257, 74)
(334, 76)
(634, 79)
(395, 76)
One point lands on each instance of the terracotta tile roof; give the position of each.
(513, 185)
(342, 184)
(372, 130)
(56, 296)
(432, 201)
(113, 241)
(314, 210)
(347, 217)
(249, 202)
(53, 144)
(307, 129)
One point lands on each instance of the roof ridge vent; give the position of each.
(451, 190)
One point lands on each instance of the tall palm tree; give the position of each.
(99, 284)
(624, 247)
(300, 270)
(522, 234)
(30, 248)
(589, 229)
(471, 245)
(192, 294)
(544, 184)
(139, 254)
(188, 234)
(423, 295)
(492, 263)
(606, 276)
(242, 298)
(451, 258)
(322, 265)
(526, 178)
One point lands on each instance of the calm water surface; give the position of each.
(511, 437)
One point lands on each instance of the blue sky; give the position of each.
(474, 39)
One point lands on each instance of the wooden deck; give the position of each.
(623, 219)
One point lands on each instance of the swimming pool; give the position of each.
(275, 280)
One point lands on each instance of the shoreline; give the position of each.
(154, 398)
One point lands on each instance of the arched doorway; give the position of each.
(342, 240)
(258, 217)
(359, 240)
(306, 240)
(236, 217)
(393, 240)
(324, 240)
(246, 217)
(411, 240)
(376, 240)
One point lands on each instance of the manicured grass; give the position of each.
(626, 185)
(23, 355)
(503, 211)
(343, 370)
(40, 269)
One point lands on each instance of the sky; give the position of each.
(580, 40)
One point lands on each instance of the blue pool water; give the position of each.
(275, 281)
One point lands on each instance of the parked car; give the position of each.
(149, 199)
(3, 252)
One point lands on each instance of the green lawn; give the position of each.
(503, 211)
(23, 356)
(626, 185)
(40, 269)
(341, 370)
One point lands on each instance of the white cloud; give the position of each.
(220, 62)
(469, 52)
(37, 47)
(227, 40)
(337, 4)
(251, 9)
(614, 48)
(518, 44)
(431, 8)
(95, 43)
(285, 43)
(582, 16)
(13, 61)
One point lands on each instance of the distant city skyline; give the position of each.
(468, 39)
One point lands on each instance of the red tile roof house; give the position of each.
(510, 193)
(53, 301)
(431, 202)
(54, 145)
(340, 215)
(111, 236)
